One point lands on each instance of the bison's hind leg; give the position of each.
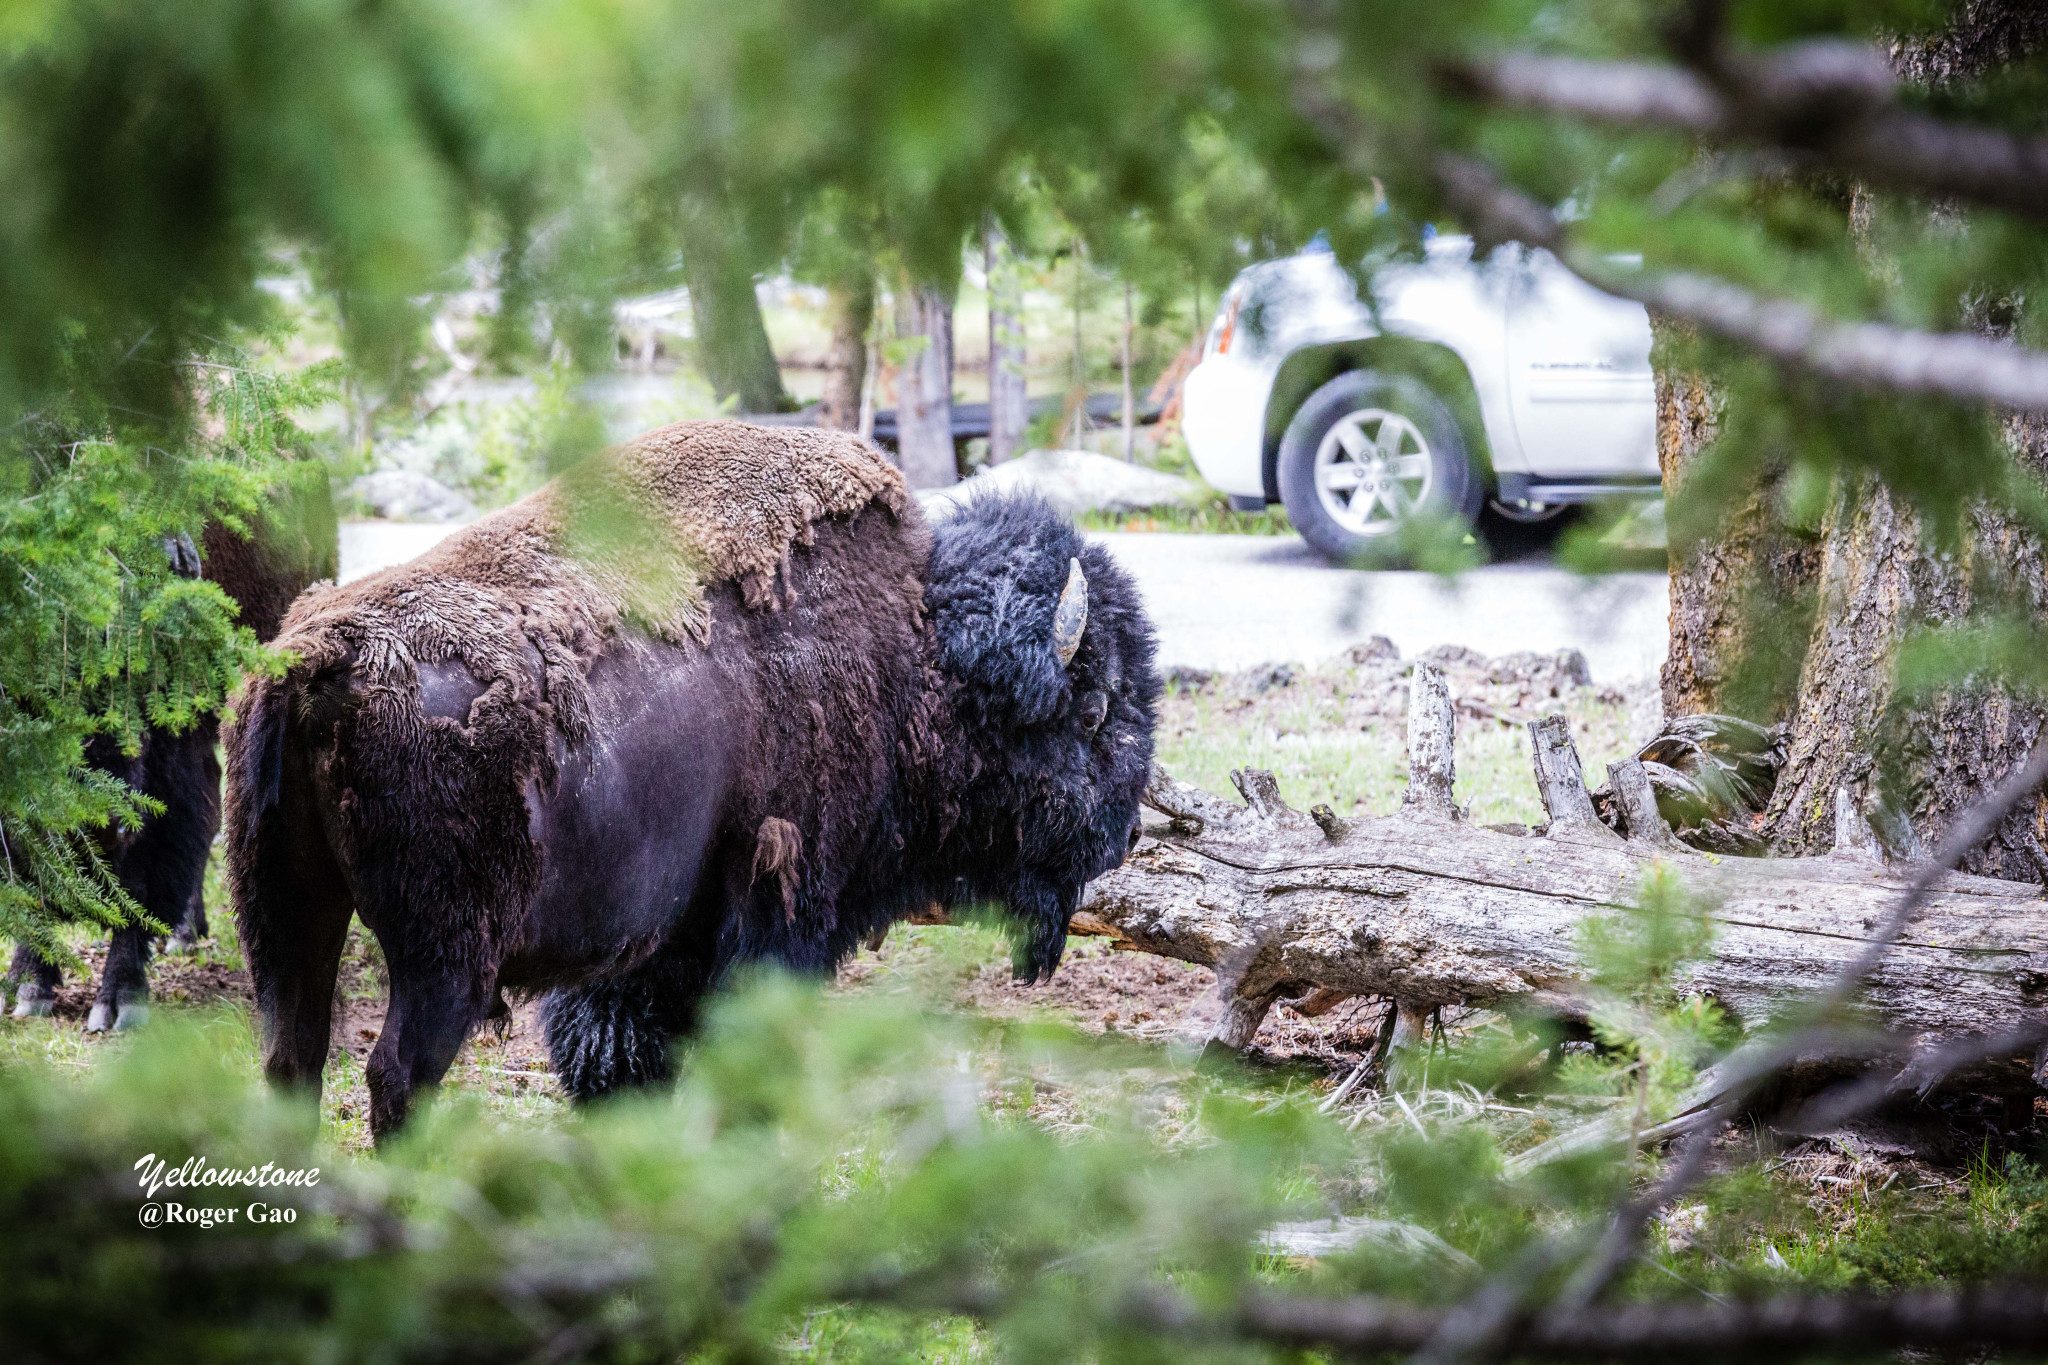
(615, 1034)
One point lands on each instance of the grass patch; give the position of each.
(1337, 735)
(1213, 515)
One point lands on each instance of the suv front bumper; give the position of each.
(1223, 417)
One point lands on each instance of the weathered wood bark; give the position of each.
(1640, 818)
(1879, 580)
(1562, 785)
(1429, 910)
(1774, 627)
(850, 303)
(1740, 590)
(1130, 398)
(1434, 912)
(1869, 551)
(1009, 405)
(924, 386)
(1945, 754)
(1432, 726)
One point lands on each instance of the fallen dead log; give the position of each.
(1429, 910)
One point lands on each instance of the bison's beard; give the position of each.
(1036, 954)
(1037, 926)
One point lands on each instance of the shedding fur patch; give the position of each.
(525, 598)
(778, 848)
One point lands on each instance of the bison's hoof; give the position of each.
(120, 1018)
(34, 1003)
(181, 943)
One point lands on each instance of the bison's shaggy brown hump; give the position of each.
(527, 597)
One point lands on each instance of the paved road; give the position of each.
(1229, 602)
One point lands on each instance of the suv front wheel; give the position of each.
(1365, 452)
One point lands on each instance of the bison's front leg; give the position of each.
(123, 999)
(1039, 911)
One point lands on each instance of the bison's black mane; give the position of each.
(997, 571)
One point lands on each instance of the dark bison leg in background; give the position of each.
(163, 866)
(122, 1001)
(191, 928)
(38, 980)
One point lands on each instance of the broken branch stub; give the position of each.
(1432, 735)
(1561, 783)
(1639, 814)
(1854, 838)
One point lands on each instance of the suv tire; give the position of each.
(1366, 450)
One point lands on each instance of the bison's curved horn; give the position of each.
(1070, 617)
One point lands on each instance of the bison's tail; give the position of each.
(255, 810)
(270, 715)
(256, 754)
(291, 900)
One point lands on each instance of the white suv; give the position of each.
(1508, 382)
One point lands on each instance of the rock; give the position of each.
(1254, 682)
(1379, 649)
(1451, 658)
(407, 495)
(1554, 673)
(1073, 481)
(1181, 678)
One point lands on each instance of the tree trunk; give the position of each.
(1077, 391)
(1878, 580)
(924, 386)
(1130, 403)
(1009, 405)
(850, 304)
(1740, 591)
(1430, 910)
(1869, 554)
(1755, 607)
(732, 339)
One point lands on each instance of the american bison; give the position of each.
(718, 696)
(162, 863)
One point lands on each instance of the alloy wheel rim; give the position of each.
(1372, 470)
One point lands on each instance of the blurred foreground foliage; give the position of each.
(104, 628)
(817, 1152)
(856, 1177)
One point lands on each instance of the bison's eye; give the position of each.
(1094, 706)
